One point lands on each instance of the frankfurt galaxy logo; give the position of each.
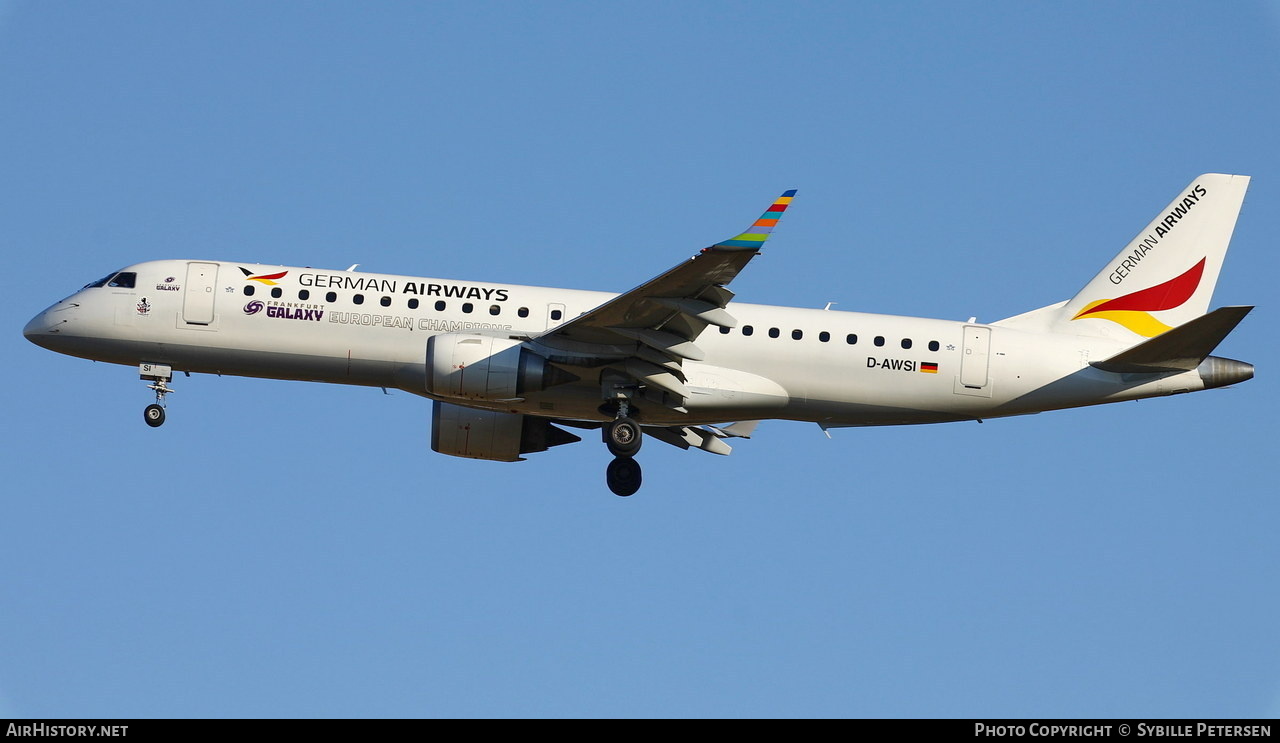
(281, 312)
(1133, 311)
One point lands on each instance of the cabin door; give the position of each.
(197, 302)
(977, 351)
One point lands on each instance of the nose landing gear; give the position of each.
(158, 375)
(153, 414)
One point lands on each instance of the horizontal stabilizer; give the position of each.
(1180, 349)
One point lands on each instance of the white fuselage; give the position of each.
(833, 368)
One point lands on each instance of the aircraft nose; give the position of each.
(35, 327)
(40, 330)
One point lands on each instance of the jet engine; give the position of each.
(490, 434)
(482, 367)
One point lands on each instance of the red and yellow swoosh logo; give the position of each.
(1133, 311)
(265, 278)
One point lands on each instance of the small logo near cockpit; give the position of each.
(144, 307)
(167, 285)
(253, 307)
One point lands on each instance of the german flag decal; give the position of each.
(928, 367)
(265, 278)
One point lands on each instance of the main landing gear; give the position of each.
(623, 438)
(158, 375)
(624, 476)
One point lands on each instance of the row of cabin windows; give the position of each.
(127, 281)
(556, 315)
(825, 337)
(385, 301)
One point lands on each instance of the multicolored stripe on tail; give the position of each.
(755, 236)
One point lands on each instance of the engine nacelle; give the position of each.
(481, 367)
(488, 434)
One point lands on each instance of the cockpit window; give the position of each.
(119, 279)
(124, 280)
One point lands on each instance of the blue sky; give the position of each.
(291, 549)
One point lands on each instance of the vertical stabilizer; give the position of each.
(1165, 276)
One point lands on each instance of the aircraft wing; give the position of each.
(647, 333)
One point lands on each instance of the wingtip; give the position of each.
(758, 232)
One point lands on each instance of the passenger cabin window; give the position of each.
(358, 299)
(304, 294)
(467, 307)
(773, 332)
(879, 340)
(248, 290)
(933, 346)
(851, 338)
(277, 292)
(494, 309)
(413, 303)
(440, 305)
(906, 343)
(724, 330)
(556, 314)
(824, 336)
(523, 312)
(797, 335)
(331, 297)
(124, 280)
(385, 301)
(748, 330)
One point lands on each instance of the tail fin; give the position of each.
(1166, 275)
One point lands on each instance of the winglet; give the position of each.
(754, 237)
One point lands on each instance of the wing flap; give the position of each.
(686, 437)
(663, 342)
(699, 309)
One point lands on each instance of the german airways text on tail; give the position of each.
(513, 370)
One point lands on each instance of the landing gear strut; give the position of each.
(623, 438)
(158, 375)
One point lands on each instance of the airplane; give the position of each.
(510, 368)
